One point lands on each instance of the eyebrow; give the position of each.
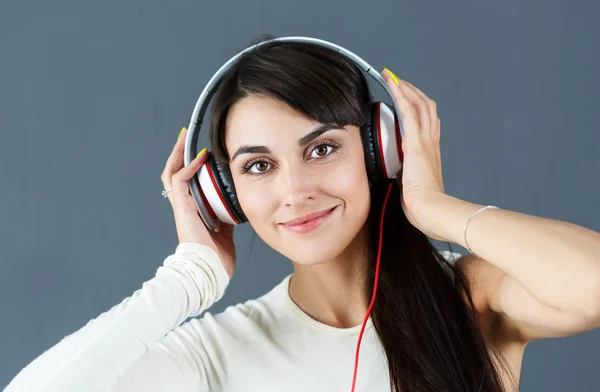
(303, 141)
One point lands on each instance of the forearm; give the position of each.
(557, 262)
(97, 355)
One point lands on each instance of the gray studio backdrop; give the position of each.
(94, 93)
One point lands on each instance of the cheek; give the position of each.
(253, 200)
(354, 184)
(348, 174)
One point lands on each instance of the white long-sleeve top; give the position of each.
(264, 344)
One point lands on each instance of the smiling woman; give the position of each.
(287, 121)
(289, 126)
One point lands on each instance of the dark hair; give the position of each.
(423, 312)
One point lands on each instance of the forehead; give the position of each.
(257, 120)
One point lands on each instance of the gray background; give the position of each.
(94, 93)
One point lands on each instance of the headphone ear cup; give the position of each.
(222, 176)
(374, 170)
(386, 140)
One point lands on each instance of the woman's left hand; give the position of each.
(421, 175)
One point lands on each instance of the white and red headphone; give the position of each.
(213, 189)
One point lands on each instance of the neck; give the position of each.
(335, 293)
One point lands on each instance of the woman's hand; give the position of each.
(190, 227)
(421, 174)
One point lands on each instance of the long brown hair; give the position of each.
(423, 313)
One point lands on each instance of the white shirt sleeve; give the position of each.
(129, 347)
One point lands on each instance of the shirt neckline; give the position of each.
(296, 310)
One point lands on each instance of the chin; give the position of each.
(320, 246)
(318, 253)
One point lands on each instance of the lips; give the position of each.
(308, 223)
(306, 218)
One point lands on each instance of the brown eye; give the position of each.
(258, 167)
(261, 166)
(324, 150)
(321, 150)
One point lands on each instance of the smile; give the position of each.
(309, 225)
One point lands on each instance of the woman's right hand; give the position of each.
(190, 227)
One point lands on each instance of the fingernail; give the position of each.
(200, 153)
(394, 77)
(181, 132)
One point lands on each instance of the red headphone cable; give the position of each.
(375, 286)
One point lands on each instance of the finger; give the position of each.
(175, 160)
(409, 95)
(430, 102)
(419, 103)
(187, 172)
(179, 181)
(166, 181)
(407, 110)
(420, 93)
(170, 197)
(166, 186)
(177, 153)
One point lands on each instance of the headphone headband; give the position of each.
(212, 85)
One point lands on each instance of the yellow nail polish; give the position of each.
(200, 153)
(394, 77)
(181, 132)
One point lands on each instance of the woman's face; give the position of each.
(282, 170)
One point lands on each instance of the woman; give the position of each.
(435, 325)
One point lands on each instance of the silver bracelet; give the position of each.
(467, 225)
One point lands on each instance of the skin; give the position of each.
(514, 303)
(293, 180)
(328, 282)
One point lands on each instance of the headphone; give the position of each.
(213, 189)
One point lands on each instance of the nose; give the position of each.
(298, 186)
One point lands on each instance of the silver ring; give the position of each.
(164, 193)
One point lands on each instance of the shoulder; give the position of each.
(483, 282)
(482, 277)
(260, 313)
(478, 275)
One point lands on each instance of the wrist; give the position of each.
(428, 213)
